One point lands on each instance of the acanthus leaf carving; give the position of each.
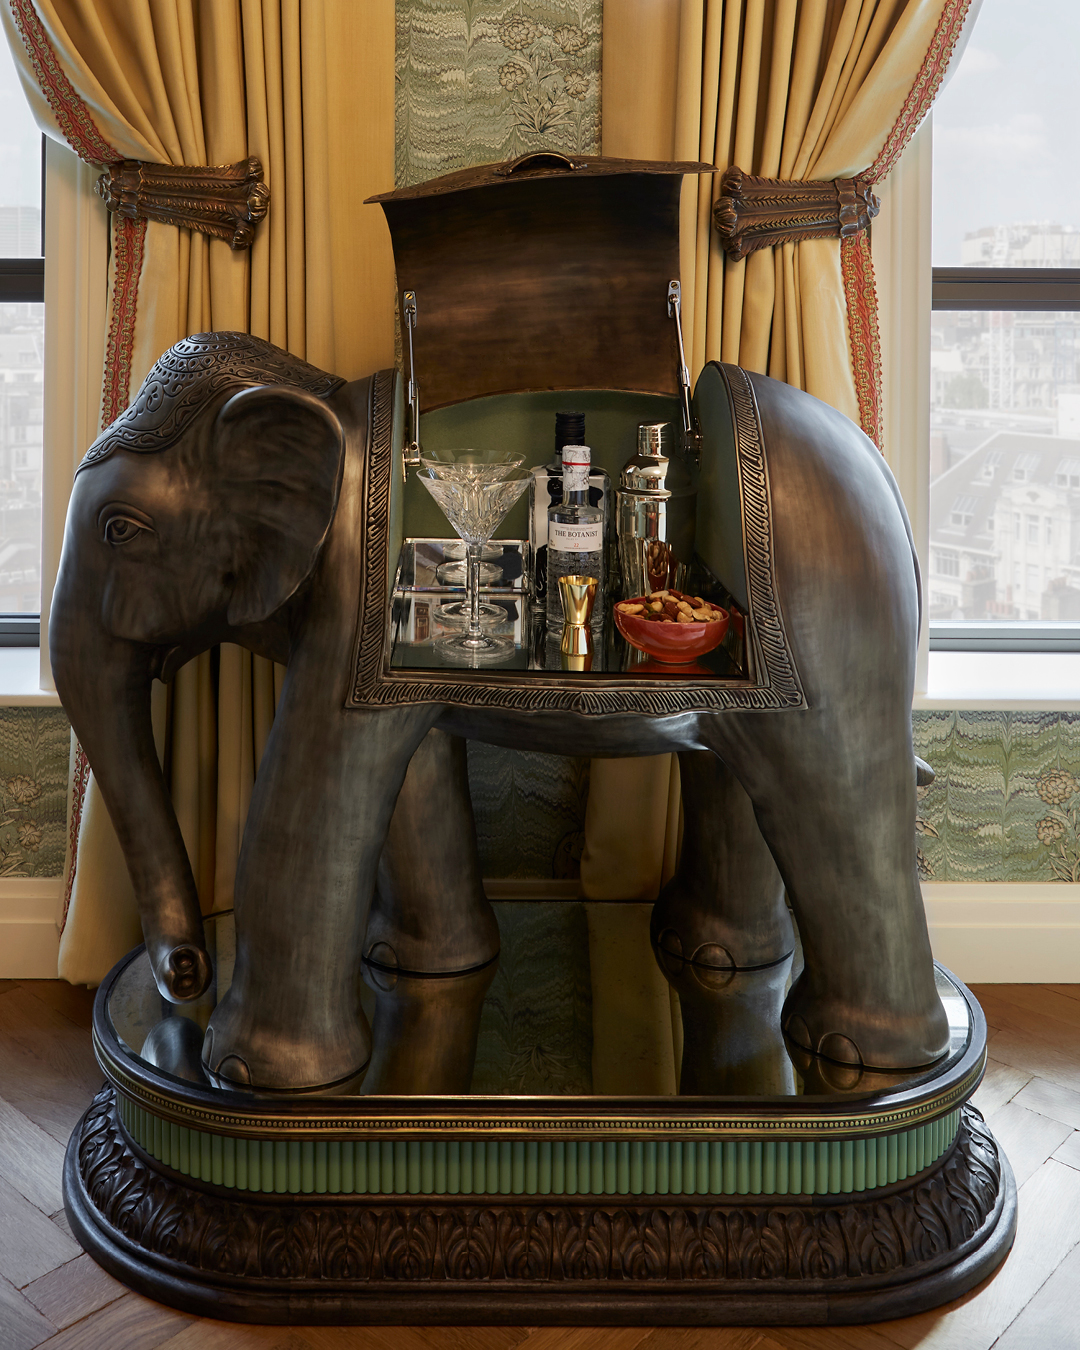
(407, 1242)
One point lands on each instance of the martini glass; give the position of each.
(474, 489)
(455, 572)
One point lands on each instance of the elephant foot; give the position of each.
(251, 1050)
(425, 1029)
(731, 1026)
(865, 1036)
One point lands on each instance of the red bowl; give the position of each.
(673, 643)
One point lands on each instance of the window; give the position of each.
(1005, 340)
(1067, 473)
(990, 465)
(946, 563)
(22, 326)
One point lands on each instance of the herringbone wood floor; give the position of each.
(52, 1295)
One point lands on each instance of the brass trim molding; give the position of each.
(753, 213)
(225, 201)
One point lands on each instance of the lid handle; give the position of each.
(538, 159)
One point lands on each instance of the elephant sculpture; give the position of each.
(227, 504)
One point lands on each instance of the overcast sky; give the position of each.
(20, 140)
(1006, 143)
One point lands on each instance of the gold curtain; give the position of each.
(796, 89)
(210, 82)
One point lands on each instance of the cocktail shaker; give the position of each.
(656, 508)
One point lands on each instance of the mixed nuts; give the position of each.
(671, 606)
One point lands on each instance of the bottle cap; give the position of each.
(650, 438)
(576, 454)
(569, 428)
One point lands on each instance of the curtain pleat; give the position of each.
(210, 82)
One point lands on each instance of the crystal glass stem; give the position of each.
(472, 585)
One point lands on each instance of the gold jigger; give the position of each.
(578, 596)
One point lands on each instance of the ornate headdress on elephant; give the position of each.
(184, 380)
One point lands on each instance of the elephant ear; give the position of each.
(279, 455)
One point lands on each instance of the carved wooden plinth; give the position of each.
(669, 1260)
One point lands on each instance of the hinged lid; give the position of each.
(548, 272)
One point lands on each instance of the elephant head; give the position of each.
(196, 517)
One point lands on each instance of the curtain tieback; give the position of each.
(225, 201)
(753, 213)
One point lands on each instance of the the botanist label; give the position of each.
(586, 537)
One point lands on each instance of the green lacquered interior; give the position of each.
(542, 1167)
(525, 422)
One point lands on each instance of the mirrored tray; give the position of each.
(421, 590)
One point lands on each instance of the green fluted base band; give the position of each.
(533, 1167)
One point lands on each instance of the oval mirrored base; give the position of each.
(816, 1208)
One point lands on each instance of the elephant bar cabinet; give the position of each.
(263, 1149)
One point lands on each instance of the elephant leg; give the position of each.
(723, 938)
(432, 940)
(834, 795)
(318, 820)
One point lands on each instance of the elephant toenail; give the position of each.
(797, 1030)
(839, 1077)
(713, 978)
(670, 942)
(712, 954)
(377, 978)
(234, 1069)
(382, 954)
(668, 951)
(840, 1049)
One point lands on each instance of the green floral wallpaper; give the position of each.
(485, 80)
(34, 748)
(1004, 804)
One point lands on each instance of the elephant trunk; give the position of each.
(104, 685)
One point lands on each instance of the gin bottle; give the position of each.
(545, 490)
(575, 536)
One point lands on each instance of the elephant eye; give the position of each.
(119, 530)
